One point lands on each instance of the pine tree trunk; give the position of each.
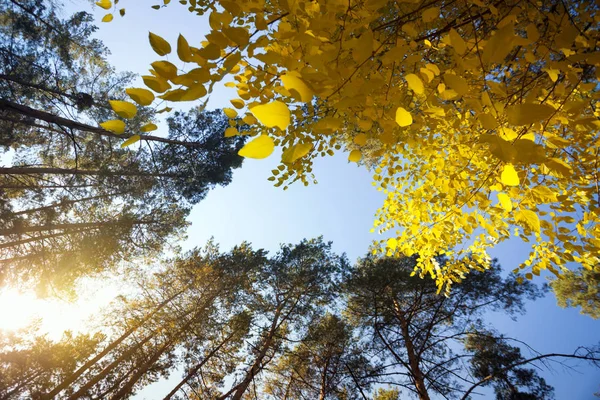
(75, 375)
(7, 105)
(413, 359)
(256, 365)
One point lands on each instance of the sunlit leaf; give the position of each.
(509, 176)
(355, 156)
(415, 83)
(149, 127)
(296, 85)
(106, 4)
(260, 147)
(295, 152)
(107, 18)
(403, 117)
(143, 97)
(130, 141)
(274, 114)
(124, 109)
(114, 125)
(505, 201)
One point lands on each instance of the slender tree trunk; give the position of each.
(8, 105)
(75, 375)
(38, 238)
(16, 389)
(197, 367)
(256, 365)
(323, 388)
(126, 390)
(413, 359)
(81, 225)
(74, 171)
(64, 203)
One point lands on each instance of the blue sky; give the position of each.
(340, 207)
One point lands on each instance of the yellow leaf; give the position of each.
(488, 121)
(272, 114)
(159, 45)
(528, 113)
(159, 85)
(165, 69)
(143, 97)
(106, 4)
(230, 112)
(183, 49)
(107, 18)
(130, 141)
(173, 95)
(239, 35)
(392, 243)
(249, 119)
(194, 93)
(414, 83)
(229, 132)
(261, 147)
(529, 219)
(505, 201)
(430, 14)
(509, 176)
(295, 152)
(499, 45)
(355, 156)
(457, 83)
(124, 109)
(457, 42)
(297, 86)
(360, 139)
(237, 103)
(114, 125)
(149, 127)
(403, 117)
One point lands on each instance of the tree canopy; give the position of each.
(302, 323)
(479, 116)
(75, 200)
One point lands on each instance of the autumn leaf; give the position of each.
(274, 114)
(260, 147)
(124, 109)
(159, 45)
(114, 125)
(403, 117)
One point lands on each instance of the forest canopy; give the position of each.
(478, 117)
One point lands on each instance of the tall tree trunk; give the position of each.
(126, 390)
(75, 375)
(197, 367)
(74, 171)
(64, 203)
(13, 107)
(256, 365)
(79, 226)
(413, 359)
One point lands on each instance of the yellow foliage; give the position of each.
(260, 147)
(492, 87)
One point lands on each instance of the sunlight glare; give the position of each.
(20, 309)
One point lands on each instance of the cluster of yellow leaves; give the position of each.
(481, 115)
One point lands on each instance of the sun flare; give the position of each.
(19, 309)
